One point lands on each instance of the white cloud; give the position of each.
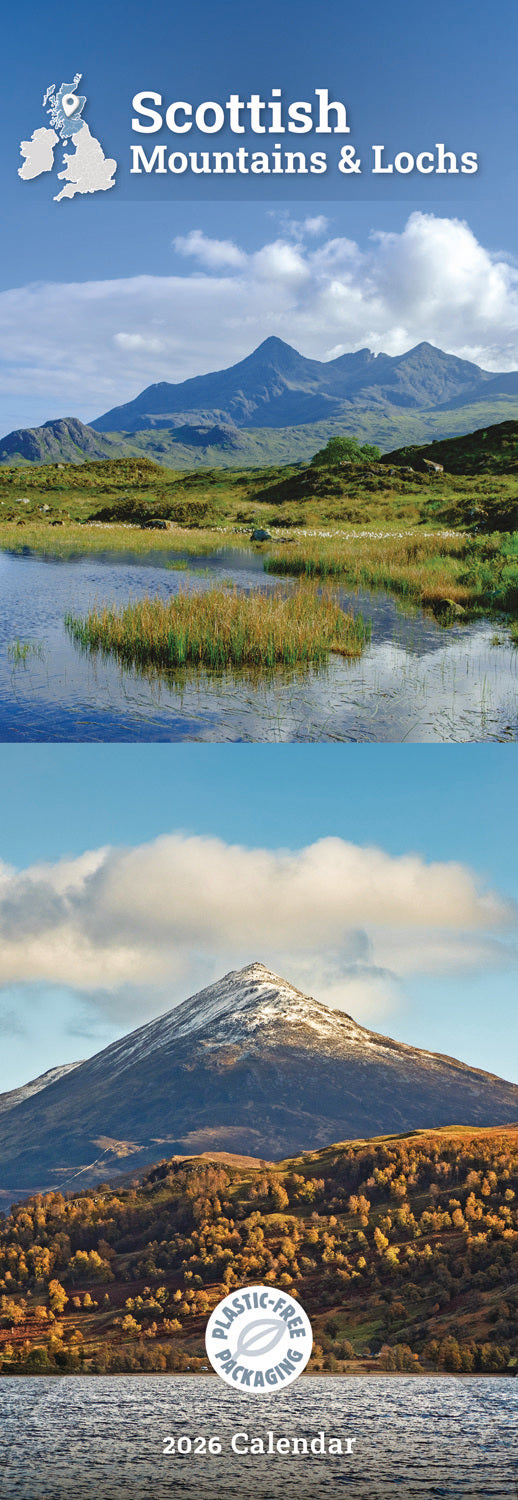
(316, 226)
(138, 341)
(298, 229)
(215, 254)
(280, 264)
(433, 281)
(135, 930)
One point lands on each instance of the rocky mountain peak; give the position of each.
(251, 1004)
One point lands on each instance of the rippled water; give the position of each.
(104, 1437)
(416, 681)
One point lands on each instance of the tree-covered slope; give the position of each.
(403, 1249)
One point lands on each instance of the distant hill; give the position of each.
(226, 447)
(67, 441)
(249, 1065)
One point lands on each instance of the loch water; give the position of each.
(417, 681)
(103, 1437)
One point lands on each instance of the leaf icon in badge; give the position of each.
(260, 1336)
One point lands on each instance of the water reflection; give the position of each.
(415, 682)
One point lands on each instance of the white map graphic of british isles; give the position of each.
(86, 169)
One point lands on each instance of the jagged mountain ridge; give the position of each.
(249, 1065)
(275, 386)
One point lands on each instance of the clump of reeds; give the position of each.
(223, 627)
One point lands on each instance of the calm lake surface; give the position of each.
(103, 1437)
(416, 681)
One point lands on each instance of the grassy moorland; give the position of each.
(446, 541)
(223, 627)
(451, 574)
(404, 1250)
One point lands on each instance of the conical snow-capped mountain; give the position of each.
(249, 1065)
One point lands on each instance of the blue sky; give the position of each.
(393, 901)
(132, 301)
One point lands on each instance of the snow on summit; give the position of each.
(244, 1005)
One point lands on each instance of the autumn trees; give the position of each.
(407, 1244)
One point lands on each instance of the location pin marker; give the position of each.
(69, 104)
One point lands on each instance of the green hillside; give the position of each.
(390, 427)
(488, 450)
(386, 426)
(404, 1251)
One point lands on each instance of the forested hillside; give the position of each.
(404, 1251)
